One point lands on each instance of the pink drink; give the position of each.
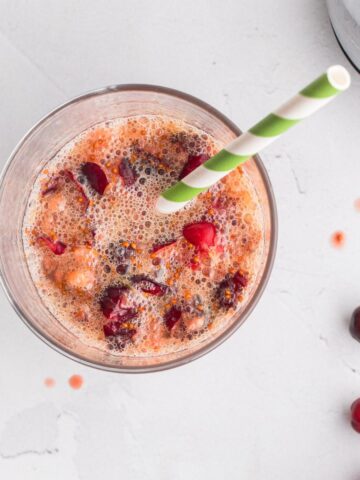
(122, 277)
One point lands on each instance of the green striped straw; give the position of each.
(321, 91)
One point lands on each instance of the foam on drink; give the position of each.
(123, 219)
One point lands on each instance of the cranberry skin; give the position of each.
(201, 235)
(95, 176)
(355, 415)
(57, 182)
(112, 303)
(240, 281)
(228, 290)
(172, 316)
(150, 286)
(226, 293)
(193, 162)
(117, 329)
(126, 172)
(159, 246)
(58, 248)
(355, 324)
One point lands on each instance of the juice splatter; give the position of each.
(357, 204)
(49, 382)
(76, 382)
(338, 239)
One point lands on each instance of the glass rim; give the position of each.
(268, 264)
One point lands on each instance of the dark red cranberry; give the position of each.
(240, 281)
(149, 286)
(355, 324)
(117, 328)
(95, 176)
(172, 316)
(201, 235)
(226, 293)
(193, 162)
(229, 289)
(355, 415)
(56, 247)
(127, 172)
(113, 304)
(159, 246)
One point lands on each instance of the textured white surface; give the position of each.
(271, 402)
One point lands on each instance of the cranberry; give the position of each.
(229, 289)
(117, 328)
(172, 316)
(226, 294)
(355, 324)
(240, 281)
(56, 247)
(56, 183)
(355, 415)
(95, 176)
(113, 304)
(127, 172)
(150, 286)
(193, 162)
(201, 234)
(159, 246)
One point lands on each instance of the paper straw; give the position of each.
(317, 94)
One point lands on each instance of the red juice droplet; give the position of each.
(357, 204)
(49, 382)
(76, 382)
(338, 239)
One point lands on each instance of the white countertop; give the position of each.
(271, 402)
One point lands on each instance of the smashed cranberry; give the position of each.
(193, 162)
(355, 415)
(159, 246)
(150, 286)
(113, 304)
(95, 176)
(58, 182)
(229, 289)
(172, 316)
(226, 294)
(56, 247)
(355, 324)
(127, 172)
(115, 329)
(201, 234)
(240, 281)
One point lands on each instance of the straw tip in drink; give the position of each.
(166, 206)
(338, 77)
